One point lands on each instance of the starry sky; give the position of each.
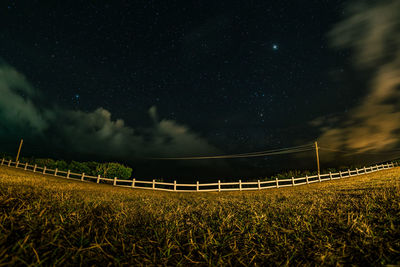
(184, 78)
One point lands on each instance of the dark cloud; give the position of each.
(17, 109)
(89, 133)
(372, 32)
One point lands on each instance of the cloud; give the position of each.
(17, 109)
(96, 131)
(372, 32)
(91, 133)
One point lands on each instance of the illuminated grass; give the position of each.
(54, 221)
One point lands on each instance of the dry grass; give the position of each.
(53, 221)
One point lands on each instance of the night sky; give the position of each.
(132, 80)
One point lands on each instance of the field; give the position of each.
(54, 221)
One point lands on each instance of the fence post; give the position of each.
(26, 166)
(133, 182)
(68, 173)
(83, 176)
(240, 185)
(340, 174)
(277, 182)
(330, 175)
(219, 185)
(197, 186)
(306, 179)
(55, 172)
(16, 164)
(357, 171)
(349, 172)
(154, 184)
(365, 170)
(259, 185)
(98, 178)
(9, 163)
(319, 177)
(292, 181)
(377, 168)
(44, 170)
(174, 185)
(115, 181)
(2, 161)
(34, 168)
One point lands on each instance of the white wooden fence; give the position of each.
(207, 187)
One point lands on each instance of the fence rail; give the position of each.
(197, 187)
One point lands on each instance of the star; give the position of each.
(275, 47)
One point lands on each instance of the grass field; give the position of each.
(54, 221)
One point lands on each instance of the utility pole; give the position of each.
(316, 152)
(19, 149)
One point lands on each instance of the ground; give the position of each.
(54, 221)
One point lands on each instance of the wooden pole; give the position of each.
(19, 149)
(316, 153)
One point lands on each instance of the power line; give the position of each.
(288, 150)
(276, 150)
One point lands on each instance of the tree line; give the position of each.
(93, 168)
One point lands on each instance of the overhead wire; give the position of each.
(288, 150)
(279, 151)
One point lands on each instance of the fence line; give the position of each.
(197, 187)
